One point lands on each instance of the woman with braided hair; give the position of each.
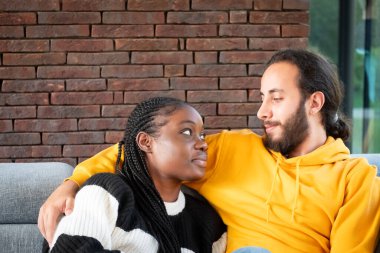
(142, 208)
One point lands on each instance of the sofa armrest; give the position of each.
(23, 189)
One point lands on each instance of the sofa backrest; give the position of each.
(23, 189)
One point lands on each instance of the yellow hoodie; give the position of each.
(320, 202)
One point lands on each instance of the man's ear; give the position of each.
(144, 141)
(317, 100)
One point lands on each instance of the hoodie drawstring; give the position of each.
(267, 202)
(297, 188)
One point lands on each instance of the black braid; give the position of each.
(135, 169)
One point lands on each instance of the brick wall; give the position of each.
(72, 70)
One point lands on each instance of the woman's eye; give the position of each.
(277, 99)
(187, 132)
(202, 136)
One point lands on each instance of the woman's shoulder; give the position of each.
(114, 184)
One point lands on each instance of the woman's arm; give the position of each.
(61, 201)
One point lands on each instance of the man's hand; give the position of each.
(61, 201)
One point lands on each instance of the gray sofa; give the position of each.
(23, 189)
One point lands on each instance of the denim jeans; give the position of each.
(251, 250)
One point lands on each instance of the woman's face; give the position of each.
(178, 152)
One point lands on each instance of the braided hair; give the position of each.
(318, 74)
(135, 170)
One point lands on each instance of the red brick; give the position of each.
(138, 84)
(146, 44)
(205, 17)
(30, 5)
(17, 112)
(238, 17)
(230, 83)
(277, 43)
(87, 45)
(267, 5)
(34, 59)
(186, 30)
(81, 98)
(254, 122)
(216, 44)
(221, 4)
(118, 98)
(245, 57)
(20, 139)
(64, 112)
(206, 57)
(18, 18)
(295, 17)
(174, 70)
(68, 72)
(98, 58)
(217, 96)
(45, 125)
(205, 109)
(24, 98)
(57, 31)
(162, 57)
(72, 138)
(17, 73)
(82, 150)
(296, 4)
(254, 96)
(33, 85)
(246, 30)
(102, 124)
(93, 5)
(29, 151)
(11, 32)
(238, 108)
(117, 110)
(117, 31)
(216, 70)
(135, 97)
(132, 71)
(295, 30)
(134, 18)
(24, 45)
(72, 161)
(226, 122)
(69, 17)
(6, 126)
(114, 136)
(155, 5)
(85, 84)
(193, 83)
(256, 69)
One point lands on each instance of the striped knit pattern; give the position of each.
(106, 219)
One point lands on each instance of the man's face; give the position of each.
(283, 109)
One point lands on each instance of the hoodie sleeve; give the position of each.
(104, 161)
(357, 222)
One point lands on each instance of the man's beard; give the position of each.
(295, 129)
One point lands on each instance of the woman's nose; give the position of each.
(201, 144)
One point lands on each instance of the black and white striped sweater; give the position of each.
(105, 219)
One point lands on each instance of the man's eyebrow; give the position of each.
(272, 91)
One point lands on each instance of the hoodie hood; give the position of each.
(332, 151)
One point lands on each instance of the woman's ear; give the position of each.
(317, 100)
(144, 141)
